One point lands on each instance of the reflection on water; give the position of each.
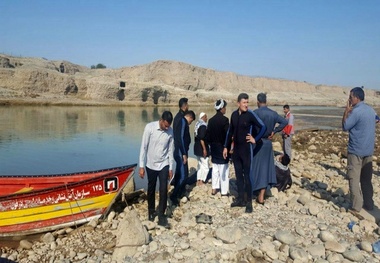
(121, 119)
(52, 139)
(72, 122)
(144, 115)
(156, 115)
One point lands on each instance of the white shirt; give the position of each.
(157, 147)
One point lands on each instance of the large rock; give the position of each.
(228, 234)
(131, 234)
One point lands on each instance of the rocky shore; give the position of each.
(307, 223)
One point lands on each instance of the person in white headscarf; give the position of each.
(216, 135)
(201, 148)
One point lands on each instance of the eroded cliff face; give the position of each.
(37, 80)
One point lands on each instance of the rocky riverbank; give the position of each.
(307, 223)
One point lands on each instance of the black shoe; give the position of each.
(152, 216)
(248, 208)
(163, 221)
(238, 202)
(368, 208)
(174, 201)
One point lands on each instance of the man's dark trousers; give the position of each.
(163, 176)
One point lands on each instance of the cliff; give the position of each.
(40, 81)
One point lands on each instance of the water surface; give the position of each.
(53, 139)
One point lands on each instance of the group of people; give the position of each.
(246, 139)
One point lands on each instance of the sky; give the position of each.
(328, 42)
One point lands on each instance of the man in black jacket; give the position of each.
(178, 142)
(246, 128)
(216, 135)
(182, 137)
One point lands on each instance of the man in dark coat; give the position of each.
(181, 154)
(246, 129)
(216, 135)
(180, 160)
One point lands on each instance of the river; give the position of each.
(53, 139)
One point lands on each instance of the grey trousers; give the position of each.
(359, 173)
(287, 145)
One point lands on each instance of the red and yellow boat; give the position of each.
(61, 206)
(11, 184)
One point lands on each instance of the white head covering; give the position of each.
(220, 106)
(199, 123)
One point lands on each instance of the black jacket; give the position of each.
(201, 135)
(216, 135)
(182, 137)
(240, 126)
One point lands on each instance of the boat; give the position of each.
(11, 184)
(62, 206)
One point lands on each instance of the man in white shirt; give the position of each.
(201, 148)
(156, 155)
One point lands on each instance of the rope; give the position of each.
(72, 213)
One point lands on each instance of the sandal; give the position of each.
(356, 213)
(261, 203)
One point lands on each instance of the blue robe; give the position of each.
(263, 172)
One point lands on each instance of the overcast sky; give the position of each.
(322, 42)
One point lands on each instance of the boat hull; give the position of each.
(62, 206)
(11, 184)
